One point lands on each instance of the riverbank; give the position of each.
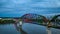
(6, 21)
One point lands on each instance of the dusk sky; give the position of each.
(16, 8)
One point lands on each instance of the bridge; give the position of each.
(39, 20)
(34, 19)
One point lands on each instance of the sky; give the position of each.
(17, 8)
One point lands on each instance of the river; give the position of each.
(28, 28)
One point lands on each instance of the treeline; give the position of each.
(6, 21)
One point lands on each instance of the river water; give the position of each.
(28, 28)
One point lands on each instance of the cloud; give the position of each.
(17, 7)
(47, 4)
